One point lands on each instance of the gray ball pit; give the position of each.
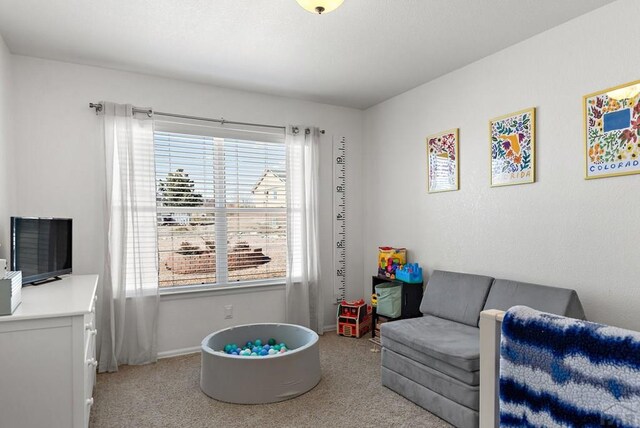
(259, 380)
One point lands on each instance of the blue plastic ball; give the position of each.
(267, 347)
(254, 349)
(264, 352)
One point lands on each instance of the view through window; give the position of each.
(221, 206)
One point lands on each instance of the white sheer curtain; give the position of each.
(130, 299)
(304, 296)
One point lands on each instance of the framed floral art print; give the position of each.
(442, 161)
(612, 131)
(512, 139)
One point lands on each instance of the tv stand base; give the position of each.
(46, 281)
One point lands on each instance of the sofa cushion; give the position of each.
(456, 296)
(435, 380)
(455, 343)
(457, 414)
(505, 294)
(470, 378)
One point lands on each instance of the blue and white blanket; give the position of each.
(562, 372)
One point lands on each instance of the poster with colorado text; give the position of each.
(612, 128)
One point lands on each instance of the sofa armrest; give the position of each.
(490, 329)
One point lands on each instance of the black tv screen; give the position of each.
(40, 247)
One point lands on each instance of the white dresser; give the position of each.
(47, 356)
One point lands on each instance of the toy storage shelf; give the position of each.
(411, 298)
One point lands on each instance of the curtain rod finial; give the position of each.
(96, 106)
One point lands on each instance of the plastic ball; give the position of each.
(256, 348)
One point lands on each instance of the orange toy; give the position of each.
(354, 318)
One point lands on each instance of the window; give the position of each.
(217, 224)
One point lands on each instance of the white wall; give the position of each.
(58, 144)
(562, 230)
(6, 180)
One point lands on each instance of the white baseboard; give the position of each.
(328, 328)
(194, 349)
(178, 352)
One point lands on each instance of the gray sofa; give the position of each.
(434, 360)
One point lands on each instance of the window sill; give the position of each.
(196, 291)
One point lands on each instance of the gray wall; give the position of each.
(561, 230)
(59, 137)
(7, 182)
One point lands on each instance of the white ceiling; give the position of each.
(363, 53)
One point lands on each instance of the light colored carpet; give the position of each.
(167, 394)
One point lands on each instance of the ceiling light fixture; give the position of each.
(320, 6)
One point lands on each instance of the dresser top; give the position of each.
(72, 295)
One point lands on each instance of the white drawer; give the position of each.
(89, 326)
(90, 366)
(90, 345)
(90, 363)
(88, 403)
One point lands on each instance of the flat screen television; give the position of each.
(41, 248)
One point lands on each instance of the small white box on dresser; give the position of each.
(10, 291)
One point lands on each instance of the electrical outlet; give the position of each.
(228, 312)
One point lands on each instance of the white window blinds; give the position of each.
(221, 202)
